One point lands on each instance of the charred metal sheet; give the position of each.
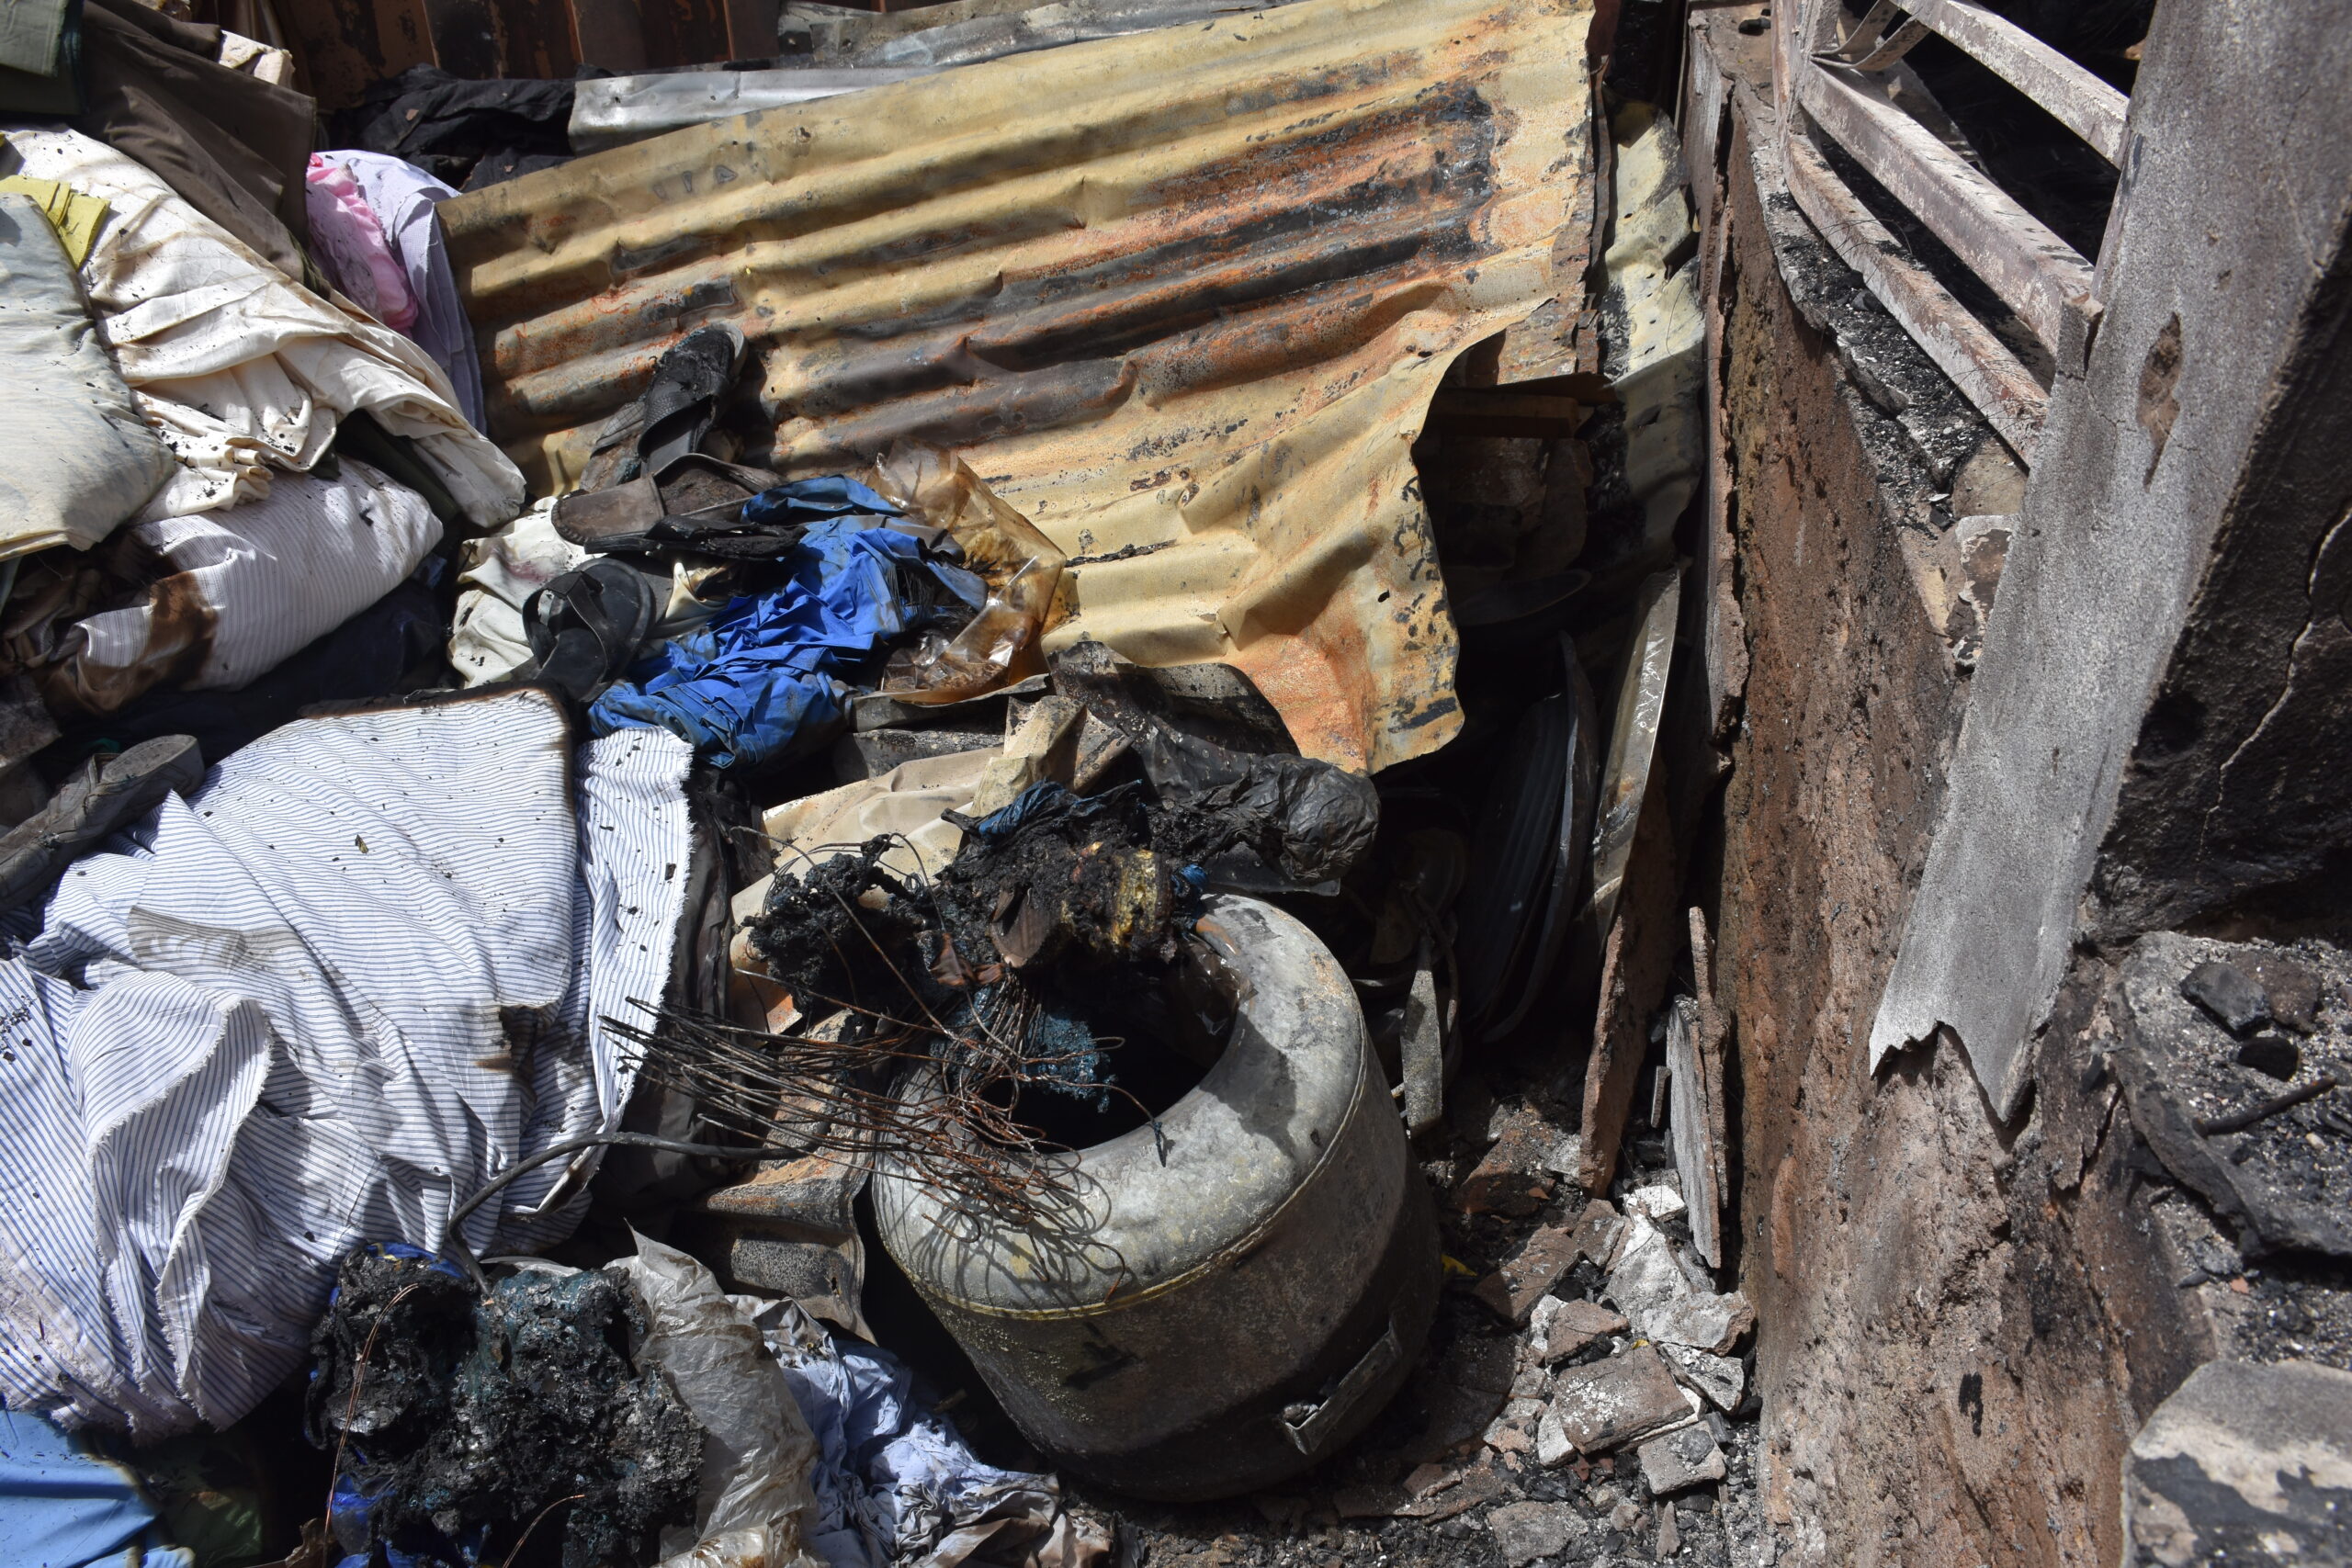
(1182, 297)
(617, 110)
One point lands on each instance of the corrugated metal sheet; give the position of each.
(1181, 297)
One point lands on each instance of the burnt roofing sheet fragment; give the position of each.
(1181, 297)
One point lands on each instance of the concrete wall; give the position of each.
(1961, 1320)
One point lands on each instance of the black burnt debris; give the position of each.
(459, 1422)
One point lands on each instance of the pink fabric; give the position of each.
(350, 244)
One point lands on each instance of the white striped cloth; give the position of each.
(316, 1005)
(252, 584)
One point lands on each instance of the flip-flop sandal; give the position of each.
(684, 399)
(586, 626)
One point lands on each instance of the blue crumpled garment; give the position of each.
(815, 501)
(65, 1507)
(743, 685)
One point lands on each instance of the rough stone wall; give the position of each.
(1959, 1325)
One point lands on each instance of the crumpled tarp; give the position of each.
(239, 368)
(1181, 297)
(80, 458)
(756, 1506)
(318, 1003)
(741, 688)
(246, 588)
(66, 1507)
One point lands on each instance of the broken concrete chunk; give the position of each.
(2229, 993)
(1721, 1378)
(1630, 1396)
(1552, 1446)
(1513, 1177)
(2291, 987)
(1525, 1531)
(1648, 1277)
(1658, 1203)
(1567, 1153)
(1400, 1499)
(1481, 1483)
(1599, 1232)
(1681, 1461)
(1513, 1290)
(1514, 1431)
(1703, 1323)
(1562, 1329)
(1670, 1538)
(2245, 1463)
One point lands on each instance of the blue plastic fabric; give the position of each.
(815, 500)
(61, 1507)
(741, 687)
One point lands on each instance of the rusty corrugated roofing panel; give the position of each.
(1181, 297)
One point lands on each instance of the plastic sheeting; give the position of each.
(1181, 297)
(66, 1507)
(80, 458)
(240, 370)
(896, 1483)
(317, 1004)
(756, 1507)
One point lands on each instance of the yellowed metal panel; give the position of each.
(1181, 297)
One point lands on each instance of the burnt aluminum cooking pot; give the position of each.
(1218, 1321)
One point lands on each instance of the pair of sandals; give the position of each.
(585, 626)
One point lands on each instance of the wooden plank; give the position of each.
(1705, 103)
(610, 34)
(2039, 276)
(2074, 98)
(1702, 1151)
(1637, 967)
(1892, 47)
(1979, 364)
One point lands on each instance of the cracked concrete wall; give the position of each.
(2169, 631)
(1961, 1320)
(2235, 808)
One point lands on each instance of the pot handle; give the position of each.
(1308, 1425)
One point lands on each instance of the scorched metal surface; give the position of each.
(1181, 297)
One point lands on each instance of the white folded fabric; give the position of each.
(240, 368)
